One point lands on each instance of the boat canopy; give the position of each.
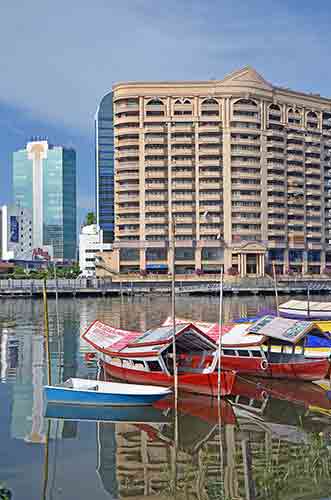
(288, 330)
(188, 339)
(302, 305)
(102, 336)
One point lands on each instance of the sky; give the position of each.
(57, 60)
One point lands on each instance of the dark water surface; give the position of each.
(274, 441)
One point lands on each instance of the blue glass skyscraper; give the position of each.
(44, 181)
(104, 157)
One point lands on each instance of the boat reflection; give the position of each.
(264, 427)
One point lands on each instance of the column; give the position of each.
(244, 265)
(262, 265)
(142, 259)
(198, 263)
(305, 263)
(258, 264)
(239, 264)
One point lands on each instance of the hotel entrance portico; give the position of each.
(248, 258)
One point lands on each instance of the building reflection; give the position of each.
(259, 443)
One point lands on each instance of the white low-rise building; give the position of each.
(15, 233)
(90, 243)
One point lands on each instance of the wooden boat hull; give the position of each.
(198, 383)
(309, 370)
(77, 397)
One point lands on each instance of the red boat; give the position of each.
(147, 358)
(272, 347)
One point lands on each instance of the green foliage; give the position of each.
(90, 218)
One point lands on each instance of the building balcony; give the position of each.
(181, 127)
(162, 141)
(210, 196)
(186, 141)
(313, 203)
(162, 151)
(182, 197)
(156, 163)
(252, 162)
(159, 185)
(156, 174)
(125, 230)
(183, 174)
(157, 231)
(176, 162)
(182, 185)
(122, 176)
(127, 153)
(274, 154)
(155, 119)
(120, 167)
(149, 196)
(126, 210)
(121, 130)
(159, 208)
(127, 220)
(276, 199)
(204, 162)
(119, 120)
(204, 126)
(213, 151)
(155, 128)
(210, 140)
(314, 246)
(123, 108)
(189, 208)
(127, 142)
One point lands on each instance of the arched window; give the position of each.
(245, 102)
(274, 107)
(178, 101)
(312, 115)
(155, 102)
(187, 101)
(209, 102)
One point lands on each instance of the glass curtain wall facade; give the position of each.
(104, 156)
(44, 180)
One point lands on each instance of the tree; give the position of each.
(90, 218)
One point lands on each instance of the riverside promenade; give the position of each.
(13, 288)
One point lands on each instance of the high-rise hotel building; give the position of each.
(238, 168)
(44, 181)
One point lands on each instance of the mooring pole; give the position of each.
(46, 333)
(275, 285)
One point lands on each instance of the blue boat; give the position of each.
(78, 391)
(129, 414)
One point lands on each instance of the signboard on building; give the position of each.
(14, 229)
(40, 254)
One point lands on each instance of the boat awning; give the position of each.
(302, 305)
(188, 339)
(104, 337)
(288, 330)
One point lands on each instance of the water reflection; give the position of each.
(275, 436)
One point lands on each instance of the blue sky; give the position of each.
(58, 58)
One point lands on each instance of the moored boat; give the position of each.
(147, 358)
(302, 309)
(77, 391)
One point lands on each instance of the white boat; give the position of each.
(78, 391)
(302, 309)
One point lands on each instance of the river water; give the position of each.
(273, 441)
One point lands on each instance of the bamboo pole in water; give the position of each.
(275, 285)
(173, 312)
(220, 325)
(46, 329)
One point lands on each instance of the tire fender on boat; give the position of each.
(264, 364)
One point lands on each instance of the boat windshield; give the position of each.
(158, 334)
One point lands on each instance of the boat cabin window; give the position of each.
(243, 353)
(229, 352)
(154, 366)
(256, 354)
